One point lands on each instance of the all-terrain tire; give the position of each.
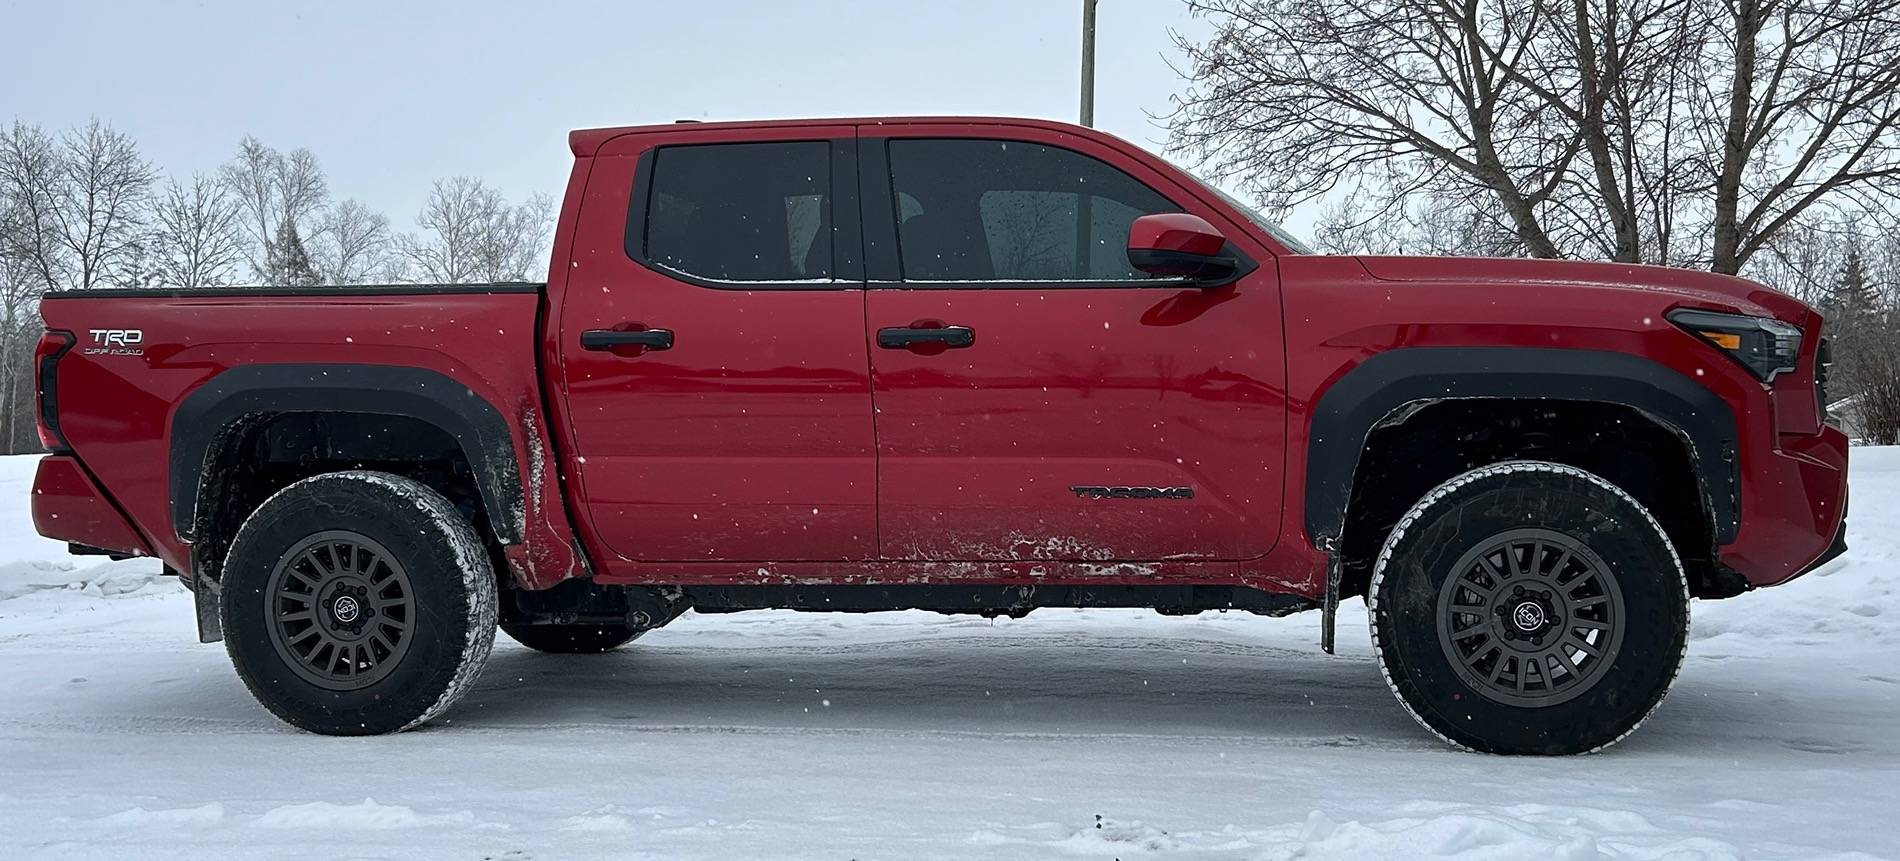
(1491, 594)
(357, 603)
(571, 639)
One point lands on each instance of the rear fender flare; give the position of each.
(221, 405)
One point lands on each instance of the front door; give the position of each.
(712, 350)
(1036, 398)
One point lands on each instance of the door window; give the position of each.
(1013, 211)
(741, 212)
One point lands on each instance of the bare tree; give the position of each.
(1875, 369)
(1674, 131)
(1808, 97)
(273, 189)
(353, 245)
(32, 261)
(301, 186)
(472, 234)
(32, 188)
(20, 289)
(102, 201)
(198, 240)
(251, 177)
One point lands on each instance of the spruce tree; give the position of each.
(289, 260)
(1853, 297)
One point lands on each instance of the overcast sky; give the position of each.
(393, 94)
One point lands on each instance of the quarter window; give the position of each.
(990, 210)
(742, 212)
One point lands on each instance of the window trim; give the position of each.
(883, 259)
(847, 256)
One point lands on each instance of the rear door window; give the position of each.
(748, 212)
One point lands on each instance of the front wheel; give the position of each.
(357, 603)
(1529, 608)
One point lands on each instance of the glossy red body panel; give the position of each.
(1338, 314)
(116, 410)
(774, 443)
(1166, 386)
(1175, 231)
(750, 440)
(67, 502)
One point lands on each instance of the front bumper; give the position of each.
(1834, 549)
(1794, 510)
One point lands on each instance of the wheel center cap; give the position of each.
(1528, 616)
(346, 609)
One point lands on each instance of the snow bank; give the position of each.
(112, 579)
(348, 817)
(1426, 830)
(30, 563)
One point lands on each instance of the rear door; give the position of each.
(1036, 398)
(712, 349)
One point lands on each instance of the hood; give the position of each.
(1688, 286)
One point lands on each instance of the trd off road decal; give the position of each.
(116, 342)
(1092, 492)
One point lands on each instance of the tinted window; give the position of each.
(742, 212)
(983, 210)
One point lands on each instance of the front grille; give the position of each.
(1823, 363)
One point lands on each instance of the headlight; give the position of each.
(1762, 344)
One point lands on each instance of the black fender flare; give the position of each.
(1378, 388)
(223, 402)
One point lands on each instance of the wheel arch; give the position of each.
(211, 425)
(1391, 387)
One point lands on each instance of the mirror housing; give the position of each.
(1180, 245)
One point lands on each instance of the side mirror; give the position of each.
(1179, 245)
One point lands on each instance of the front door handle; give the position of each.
(608, 339)
(905, 337)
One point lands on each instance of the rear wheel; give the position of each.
(357, 603)
(1529, 607)
(571, 639)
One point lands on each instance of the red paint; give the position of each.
(66, 502)
(116, 410)
(775, 441)
(1175, 231)
(749, 440)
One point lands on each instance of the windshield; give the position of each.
(1291, 242)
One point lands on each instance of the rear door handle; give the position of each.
(607, 339)
(902, 337)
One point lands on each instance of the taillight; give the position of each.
(46, 355)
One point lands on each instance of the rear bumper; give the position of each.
(68, 506)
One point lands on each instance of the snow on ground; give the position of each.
(1084, 734)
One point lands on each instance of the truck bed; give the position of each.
(124, 385)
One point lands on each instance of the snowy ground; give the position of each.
(1091, 734)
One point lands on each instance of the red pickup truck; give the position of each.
(953, 364)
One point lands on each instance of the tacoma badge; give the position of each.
(1091, 492)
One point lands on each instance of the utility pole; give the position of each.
(1088, 63)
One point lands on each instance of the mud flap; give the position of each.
(205, 595)
(1329, 611)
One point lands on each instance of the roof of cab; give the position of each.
(586, 142)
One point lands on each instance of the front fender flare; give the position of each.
(1366, 396)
